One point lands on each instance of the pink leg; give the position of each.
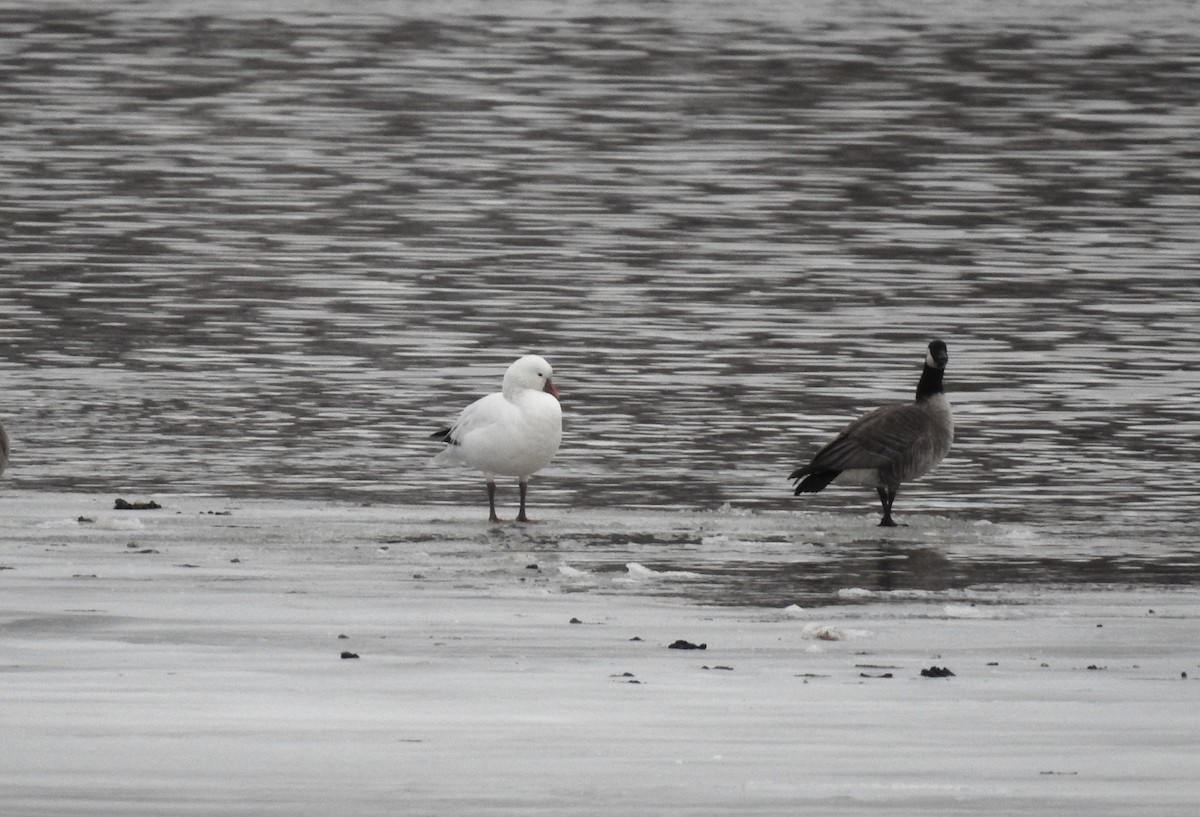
(521, 517)
(491, 485)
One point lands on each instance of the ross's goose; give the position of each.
(889, 445)
(514, 432)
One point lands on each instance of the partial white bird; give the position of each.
(514, 432)
(4, 449)
(889, 445)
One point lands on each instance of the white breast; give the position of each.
(503, 437)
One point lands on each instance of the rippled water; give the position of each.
(266, 251)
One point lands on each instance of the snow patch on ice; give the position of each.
(861, 593)
(93, 523)
(641, 573)
(827, 632)
(966, 611)
(855, 593)
(573, 573)
(52, 524)
(119, 523)
(1018, 533)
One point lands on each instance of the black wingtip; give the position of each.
(442, 434)
(814, 481)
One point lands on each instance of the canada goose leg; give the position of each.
(886, 498)
(521, 517)
(491, 484)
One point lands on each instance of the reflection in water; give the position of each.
(895, 570)
(776, 560)
(267, 255)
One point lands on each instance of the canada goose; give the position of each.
(889, 445)
(513, 432)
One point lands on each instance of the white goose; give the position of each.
(889, 445)
(514, 432)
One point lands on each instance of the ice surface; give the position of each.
(193, 666)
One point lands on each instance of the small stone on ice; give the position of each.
(937, 672)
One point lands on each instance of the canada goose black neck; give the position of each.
(930, 383)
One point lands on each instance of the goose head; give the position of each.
(937, 356)
(529, 372)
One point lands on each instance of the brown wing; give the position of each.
(875, 440)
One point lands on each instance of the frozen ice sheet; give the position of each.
(194, 665)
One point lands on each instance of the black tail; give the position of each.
(811, 482)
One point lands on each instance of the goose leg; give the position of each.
(491, 485)
(521, 517)
(886, 497)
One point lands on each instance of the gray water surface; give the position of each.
(266, 251)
